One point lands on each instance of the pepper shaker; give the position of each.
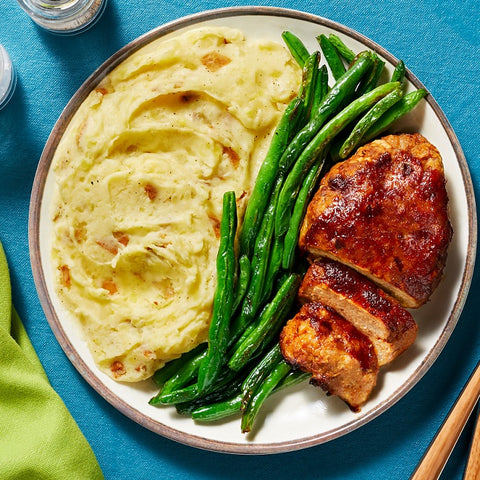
(8, 77)
(64, 16)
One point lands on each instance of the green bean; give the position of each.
(368, 120)
(265, 179)
(245, 271)
(193, 392)
(398, 74)
(297, 48)
(310, 74)
(167, 371)
(307, 94)
(185, 376)
(262, 393)
(253, 326)
(402, 107)
(321, 89)
(249, 342)
(184, 394)
(330, 105)
(331, 56)
(371, 81)
(218, 334)
(265, 339)
(377, 74)
(254, 296)
(323, 76)
(259, 372)
(274, 267)
(301, 203)
(316, 148)
(220, 394)
(162, 375)
(342, 49)
(219, 410)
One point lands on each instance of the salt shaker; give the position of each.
(7, 77)
(64, 16)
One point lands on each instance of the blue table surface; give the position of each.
(439, 40)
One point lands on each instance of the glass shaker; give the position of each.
(64, 16)
(8, 77)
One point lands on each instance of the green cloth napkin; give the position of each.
(39, 439)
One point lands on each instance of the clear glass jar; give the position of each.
(64, 16)
(8, 78)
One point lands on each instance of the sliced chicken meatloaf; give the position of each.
(389, 326)
(384, 213)
(341, 359)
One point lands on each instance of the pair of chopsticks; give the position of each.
(437, 454)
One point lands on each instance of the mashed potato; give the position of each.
(141, 171)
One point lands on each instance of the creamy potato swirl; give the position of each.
(140, 174)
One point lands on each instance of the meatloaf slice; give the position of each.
(390, 327)
(383, 212)
(341, 360)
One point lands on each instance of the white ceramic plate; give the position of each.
(302, 416)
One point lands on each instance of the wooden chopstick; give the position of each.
(472, 472)
(437, 454)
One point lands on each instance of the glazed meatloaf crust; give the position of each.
(389, 326)
(341, 360)
(384, 213)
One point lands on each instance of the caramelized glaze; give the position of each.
(384, 211)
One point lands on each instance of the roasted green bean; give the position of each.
(252, 301)
(311, 76)
(342, 49)
(321, 89)
(220, 394)
(252, 338)
(301, 203)
(243, 280)
(218, 334)
(371, 81)
(185, 376)
(297, 48)
(262, 393)
(369, 119)
(266, 178)
(162, 375)
(259, 372)
(398, 74)
(331, 56)
(193, 392)
(218, 411)
(402, 107)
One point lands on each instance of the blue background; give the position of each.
(439, 41)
